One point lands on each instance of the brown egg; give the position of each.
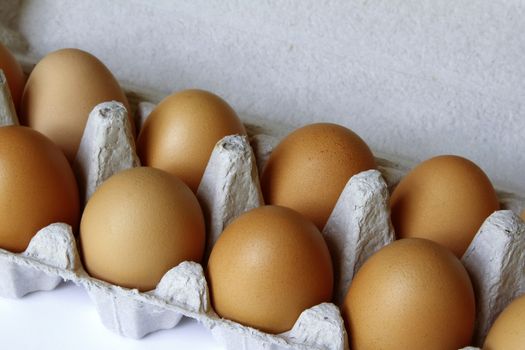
(268, 266)
(14, 74)
(180, 134)
(508, 331)
(139, 224)
(309, 169)
(37, 185)
(411, 294)
(60, 93)
(444, 199)
(523, 215)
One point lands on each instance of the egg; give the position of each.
(523, 215)
(60, 93)
(508, 331)
(310, 167)
(411, 294)
(181, 132)
(268, 266)
(37, 184)
(139, 224)
(444, 199)
(13, 73)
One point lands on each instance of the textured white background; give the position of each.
(414, 78)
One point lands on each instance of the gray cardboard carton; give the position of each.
(359, 226)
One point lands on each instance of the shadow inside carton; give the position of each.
(37, 293)
(9, 18)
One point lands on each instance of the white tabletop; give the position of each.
(65, 318)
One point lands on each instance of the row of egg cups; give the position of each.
(358, 226)
(229, 187)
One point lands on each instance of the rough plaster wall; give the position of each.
(415, 78)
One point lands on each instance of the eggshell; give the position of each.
(139, 224)
(60, 93)
(508, 331)
(180, 133)
(444, 199)
(411, 294)
(268, 266)
(37, 186)
(14, 74)
(309, 169)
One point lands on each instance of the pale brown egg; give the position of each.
(411, 294)
(139, 224)
(60, 93)
(37, 185)
(181, 132)
(508, 331)
(444, 199)
(309, 169)
(523, 215)
(13, 73)
(268, 266)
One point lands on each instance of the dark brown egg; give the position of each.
(444, 199)
(309, 169)
(181, 132)
(411, 294)
(37, 185)
(60, 93)
(139, 224)
(268, 266)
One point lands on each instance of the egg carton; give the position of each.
(229, 187)
(7, 108)
(358, 226)
(495, 259)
